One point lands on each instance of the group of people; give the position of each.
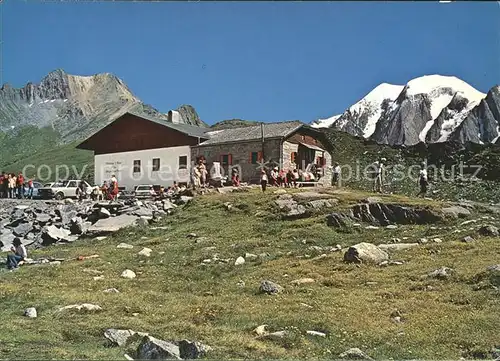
(12, 186)
(200, 173)
(378, 168)
(107, 191)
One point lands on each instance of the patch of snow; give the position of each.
(65, 100)
(437, 106)
(374, 100)
(12, 126)
(428, 83)
(30, 105)
(498, 135)
(325, 123)
(45, 101)
(451, 124)
(53, 100)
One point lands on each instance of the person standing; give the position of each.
(30, 188)
(12, 185)
(377, 180)
(423, 180)
(263, 180)
(19, 254)
(337, 173)
(113, 189)
(20, 185)
(2, 185)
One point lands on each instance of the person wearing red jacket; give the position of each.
(20, 186)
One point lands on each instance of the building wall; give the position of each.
(241, 156)
(288, 149)
(122, 164)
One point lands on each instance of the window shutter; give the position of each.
(259, 156)
(230, 159)
(293, 157)
(250, 159)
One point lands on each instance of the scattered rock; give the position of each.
(354, 354)
(365, 253)
(316, 333)
(270, 287)
(278, 335)
(384, 214)
(391, 226)
(82, 307)
(190, 350)
(142, 222)
(338, 220)
(128, 274)
(397, 246)
(371, 227)
(489, 231)
(192, 235)
(104, 213)
(251, 256)
(441, 273)
(111, 290)
(456, 212)
(280, 191)
(260, 330)
(125, 246)
(112, 224)
(146, 252)
(239, 261)
(372, 200)
(30, 312)
(121, 337)
(302, 281)
(154, 349)
(468, 239)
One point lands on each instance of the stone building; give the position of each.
(287, 145)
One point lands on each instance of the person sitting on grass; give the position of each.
(20, 254)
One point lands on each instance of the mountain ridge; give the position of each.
(430, 108)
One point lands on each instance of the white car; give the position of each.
(144, 191)
(61, 190)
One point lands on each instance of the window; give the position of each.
(183, 161)
(72, 184)
(320, 161)
(255, 157)
(156, 164)
(137, 166)
(293, 157)
(226, 159)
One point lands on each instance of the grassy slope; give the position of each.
(176, 297)
(41, 148)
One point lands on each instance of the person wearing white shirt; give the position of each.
(19, 254)
(377, 180)
(423, 180)
(337, 173)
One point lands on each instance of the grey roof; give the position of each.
(271, 130)
(191, 130)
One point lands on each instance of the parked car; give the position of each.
(144, 190)
(36, 186)
(61, 190)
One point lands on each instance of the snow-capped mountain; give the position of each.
(432, 108)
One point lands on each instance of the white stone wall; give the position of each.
(122, 165)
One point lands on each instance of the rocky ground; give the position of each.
(313, 273)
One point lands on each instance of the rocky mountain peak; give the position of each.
(75, 106)
(427, 109)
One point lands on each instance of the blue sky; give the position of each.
(267, 61)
